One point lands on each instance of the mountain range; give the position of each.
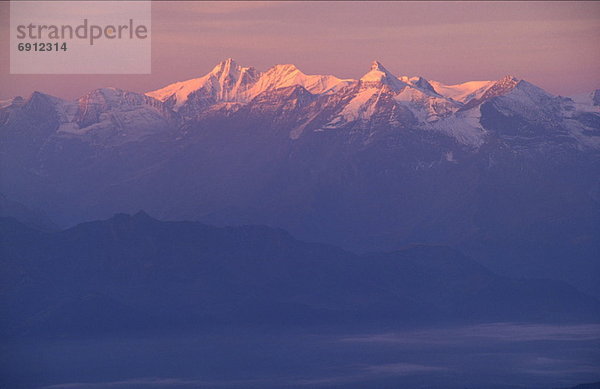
(132, 273)
(502, 170)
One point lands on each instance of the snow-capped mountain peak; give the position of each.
(225, 66)
(497, 88)
(229, 82)
(376, 65)
(379, 74)
(226, 82)
(503, 85)
(231, 70)
(282, 76)
(378, 100)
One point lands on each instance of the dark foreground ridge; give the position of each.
(131, 273)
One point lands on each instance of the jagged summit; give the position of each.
(507, 82)
(225, 66)
(376, 65)
(423, 84)
(509, 77)
(322, 102)
(379, 74)
(501, 87)
(227, 81)
(230, 68)
(230, 82)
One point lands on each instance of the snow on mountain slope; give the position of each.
(378, 89)
(588, 102)
(380, 75)
(360, 107)
(518, 109)
(106, 116)
(464, 126)
(420, 83)
(378, 101)
(582, 117)
(282, 76)
(498, 88)
(462, 92)
(519, 97)
(427, 108)
(227, 81)
(230, 82)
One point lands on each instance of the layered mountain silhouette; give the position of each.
(131, 273)
(502, 170)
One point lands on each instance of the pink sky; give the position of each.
(554, 45)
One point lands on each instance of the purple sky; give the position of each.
(554, 45)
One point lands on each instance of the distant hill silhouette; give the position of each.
(134, 272)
